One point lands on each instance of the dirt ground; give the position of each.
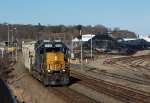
(121, 69)
(29, 90)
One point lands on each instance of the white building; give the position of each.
(84, 38)
(76, 42)
(147, 38)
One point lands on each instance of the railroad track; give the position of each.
(71, 96)
(137, 59)
(127, 59)
(134, 80)
(126, 94)
(122, 77)
(122, 67)
(132, 62)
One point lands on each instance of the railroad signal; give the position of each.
(79, 27)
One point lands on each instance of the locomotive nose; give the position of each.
(55, 62)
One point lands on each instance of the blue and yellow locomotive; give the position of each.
(51, 63)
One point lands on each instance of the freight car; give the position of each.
(28, 54)
(49, 62)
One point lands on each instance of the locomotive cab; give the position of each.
(51, 65)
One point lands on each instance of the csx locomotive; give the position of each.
(49, 62)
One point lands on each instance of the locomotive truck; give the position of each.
(48, 62)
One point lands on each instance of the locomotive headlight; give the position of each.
(63, 70)
(55, 57)
(49, 70)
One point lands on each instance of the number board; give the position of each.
(58, 45)
(48, 45)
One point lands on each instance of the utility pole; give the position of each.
(12, 45)
(81, 48)
(8, 37)
(72, 53)
(91, 45)
(79, 27)
(16, 43)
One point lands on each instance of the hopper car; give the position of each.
(48, 62)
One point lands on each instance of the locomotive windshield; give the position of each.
(53, 49)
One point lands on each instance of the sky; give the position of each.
(133, 15)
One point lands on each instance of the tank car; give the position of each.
(51, 63)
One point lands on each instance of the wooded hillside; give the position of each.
(39, 31)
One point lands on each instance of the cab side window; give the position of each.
(42, 51)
